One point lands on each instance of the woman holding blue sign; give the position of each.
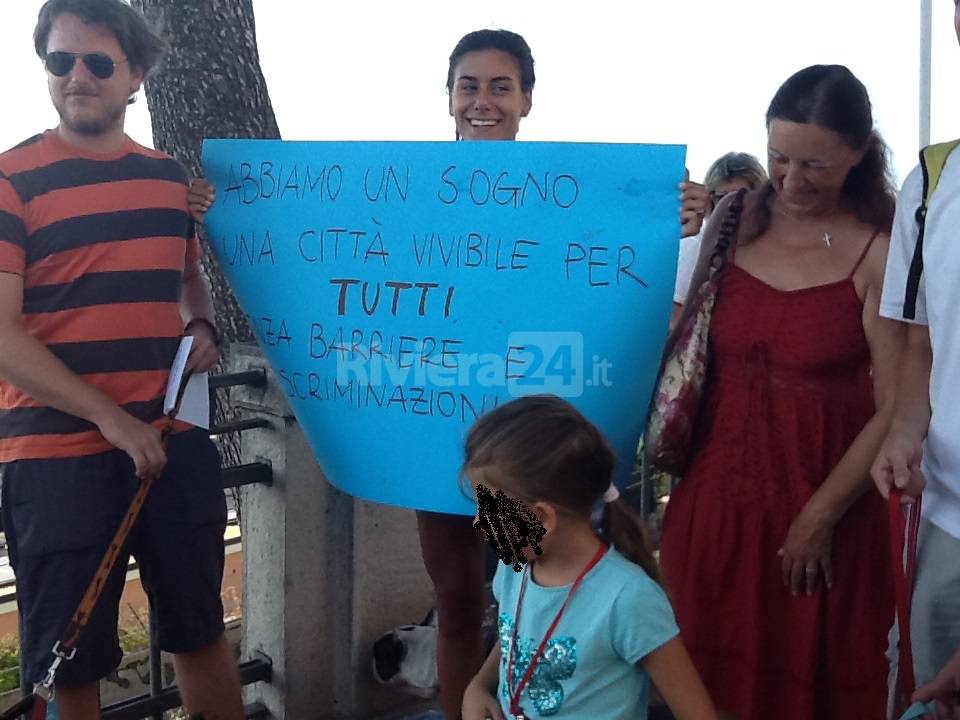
(490, 81)
(775, 555)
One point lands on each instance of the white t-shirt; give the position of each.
(938, 307)
(686, 264)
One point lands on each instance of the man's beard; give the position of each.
(95, 126)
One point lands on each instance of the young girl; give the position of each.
(584, 627)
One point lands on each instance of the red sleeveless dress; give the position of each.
(789, 390)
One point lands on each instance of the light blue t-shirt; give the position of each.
(589, 668)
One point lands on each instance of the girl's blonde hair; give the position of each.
(733, 166)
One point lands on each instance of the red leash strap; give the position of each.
(39, 709)
(903, 550)
(33, 703)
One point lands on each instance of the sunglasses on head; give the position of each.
(60, 63)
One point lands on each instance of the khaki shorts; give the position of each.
(935, 609)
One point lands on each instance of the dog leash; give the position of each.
(903, 550)
(65, 648)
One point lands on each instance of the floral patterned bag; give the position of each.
(683, 375)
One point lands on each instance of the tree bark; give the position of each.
(209, 85)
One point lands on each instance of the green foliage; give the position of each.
(134, 638)
(9, 664)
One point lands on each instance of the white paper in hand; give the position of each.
(195, 405)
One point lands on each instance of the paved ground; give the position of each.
(425, 713)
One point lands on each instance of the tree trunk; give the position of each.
(208, 85)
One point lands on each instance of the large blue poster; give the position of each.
(401, 289)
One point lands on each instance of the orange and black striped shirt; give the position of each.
(101, 243)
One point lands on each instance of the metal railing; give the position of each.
(160, 699)
(260, 668)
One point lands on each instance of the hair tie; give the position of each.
(611, 494)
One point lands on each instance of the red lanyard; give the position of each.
(515, 694)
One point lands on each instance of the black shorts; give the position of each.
(60, 515)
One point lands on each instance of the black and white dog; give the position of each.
(406, 658)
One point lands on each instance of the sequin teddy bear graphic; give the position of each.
(558, 662)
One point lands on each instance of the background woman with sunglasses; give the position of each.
(726, 174)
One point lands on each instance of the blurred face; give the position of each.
(513, 528)
(487, 100)
(88, 104)
(808, 165)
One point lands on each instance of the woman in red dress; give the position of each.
(775, 554)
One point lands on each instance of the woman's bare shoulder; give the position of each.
(875, 262)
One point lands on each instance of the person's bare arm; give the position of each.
(195, 304)
(944, 689)
(693, 206)
(200, 197)
(898, 462)
(27, 364)
(676, 311)
(673, 675)
(479, 699)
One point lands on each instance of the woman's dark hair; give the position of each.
(541, 448)
(504, 40)
(140, 44)
(831, 97)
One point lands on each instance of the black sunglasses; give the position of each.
(716, 197)
(60, 63)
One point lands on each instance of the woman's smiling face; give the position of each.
(808, 166)
(487, 99)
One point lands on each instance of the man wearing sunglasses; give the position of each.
(99, 279)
